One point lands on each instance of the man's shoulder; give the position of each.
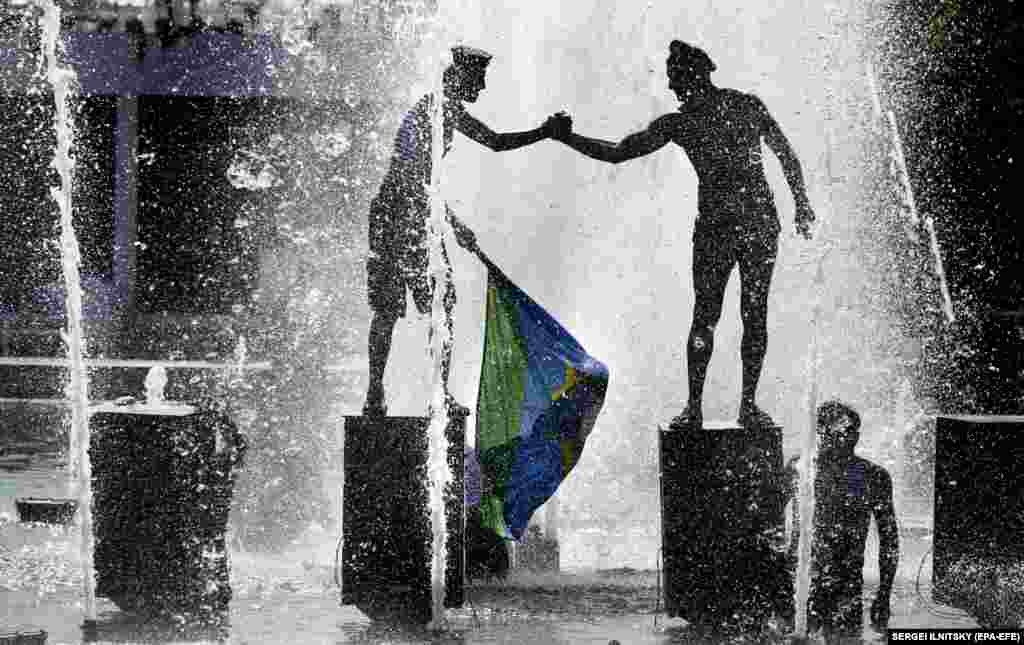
(740, 99)
(733, 93)
(420, 111)
(416, 114)
(669, 123)
(415, 125)
(873, 472)
(868, 464)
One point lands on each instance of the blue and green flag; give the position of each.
(540, 394)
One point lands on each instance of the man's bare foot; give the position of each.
(455, 409)
(752, 417)
(689, 419)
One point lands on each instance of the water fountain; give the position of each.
(61, 79)
(568, 55)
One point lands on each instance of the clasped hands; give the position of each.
(558, 126)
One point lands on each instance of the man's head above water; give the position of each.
(838, 428)
(465, 78)
(689, 70)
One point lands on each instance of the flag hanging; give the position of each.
(540, 394)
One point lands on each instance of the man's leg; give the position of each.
(449, 323)
(386, 294)
(424, 302)
(712, 263)
(454, 407)
(756, 266)
(847, 626)
(379, 348)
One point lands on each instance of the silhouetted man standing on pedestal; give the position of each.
(398, 257)
(720, 130)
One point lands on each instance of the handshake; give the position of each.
(558, 126)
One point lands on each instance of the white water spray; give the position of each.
(902, 176)
(808, 461)
(438, 472)
(62, 80)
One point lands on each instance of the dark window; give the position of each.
(193, 254)
(29, 256)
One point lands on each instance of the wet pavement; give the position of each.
(292, 598)
(315, 617)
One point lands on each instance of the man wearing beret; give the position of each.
(398, 255)
(721, 130)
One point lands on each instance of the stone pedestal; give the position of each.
(162, 482)
(487, 555)
(979, 516)
(722, 511)
(386, 524)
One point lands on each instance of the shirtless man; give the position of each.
(848, 491)
(398, 255)
(721, 131)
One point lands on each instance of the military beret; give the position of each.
(463, 56)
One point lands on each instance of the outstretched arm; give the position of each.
(635, 145)
(478, 131)
(888, 551)
(791, 168)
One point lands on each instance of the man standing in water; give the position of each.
(398, 257)
(720, 130)
(848, 491)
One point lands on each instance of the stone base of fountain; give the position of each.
(387, 534)
(162, 489)
(723, 526)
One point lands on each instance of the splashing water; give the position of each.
(438, 472)
(808, 463)
(254, 172)
(62, 81)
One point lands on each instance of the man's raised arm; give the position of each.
(635, 145)
(779, 144)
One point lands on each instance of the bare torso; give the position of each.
(722, 138)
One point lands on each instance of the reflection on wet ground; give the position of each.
(316, 619)
(292, 599)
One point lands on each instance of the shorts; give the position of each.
(401, 267)
(731, 233)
